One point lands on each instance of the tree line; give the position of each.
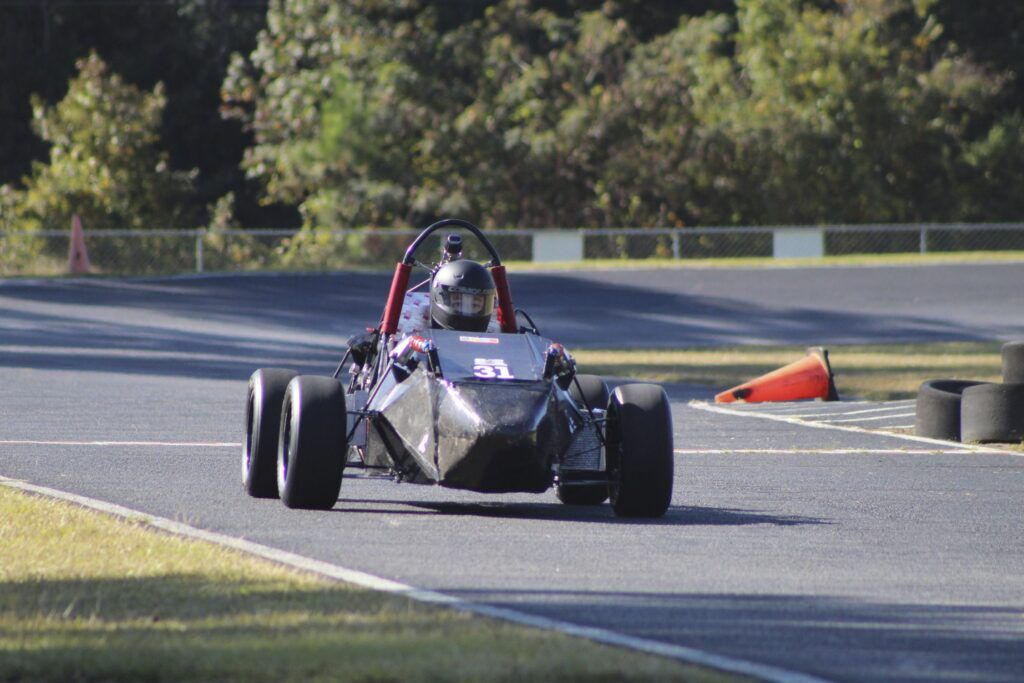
(531, 113)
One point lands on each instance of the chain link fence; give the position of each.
(152, 252)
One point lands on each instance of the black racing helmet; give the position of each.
(462, 296)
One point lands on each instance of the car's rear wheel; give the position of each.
(312, 447)
(640, 451)
(262, 422)
(591, 390)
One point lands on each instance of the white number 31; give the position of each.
(491, 368)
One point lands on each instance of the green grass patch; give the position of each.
(769, 262)
(88, 597)
(877, 372)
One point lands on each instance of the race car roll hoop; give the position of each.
(403, 270)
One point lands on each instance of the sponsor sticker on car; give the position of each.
(479, 340)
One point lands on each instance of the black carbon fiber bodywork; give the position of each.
(484, 418)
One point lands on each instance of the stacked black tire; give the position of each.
(976, 412)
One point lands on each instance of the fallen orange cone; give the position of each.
(809, 377)
(78, 257)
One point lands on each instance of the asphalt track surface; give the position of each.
(822, 548)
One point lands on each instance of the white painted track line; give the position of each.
(161, 444)
(886, 409)
(868, 419)
(684, 654)
(844, 413)
(798, 406)
(701, 405)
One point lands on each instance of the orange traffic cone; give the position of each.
(78, 256)
(809, 377)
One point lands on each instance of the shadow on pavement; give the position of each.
(682, 515)
(226, 326)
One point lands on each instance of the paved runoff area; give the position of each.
(806, 541)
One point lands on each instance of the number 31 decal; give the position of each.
(491, 368)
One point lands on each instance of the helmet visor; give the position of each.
(467, 302)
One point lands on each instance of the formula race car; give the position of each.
(449, 389)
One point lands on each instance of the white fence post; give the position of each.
(199, 251)
(798, 242)
(558, 245)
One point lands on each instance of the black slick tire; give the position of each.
(591, 390)
(262, 422)
(312, 447)
(1013, 363)
(993, 413)
(640, 451)
(938, 408)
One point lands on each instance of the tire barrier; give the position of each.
(976, 412)
(1013, 363)
(938, 408)
(993, 413)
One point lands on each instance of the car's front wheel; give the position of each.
(262, 422)
(313, 446)
(640, 451)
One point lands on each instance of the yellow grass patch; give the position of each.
(883, 371)
(88, 597)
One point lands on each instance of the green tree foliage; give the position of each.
(184, 44)
(447, 102)
(796, 114)
(16, 247)
(566, 112)
(555, 112)
(869, 114)
(105, 161)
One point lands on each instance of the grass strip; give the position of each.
(89, 597)
(875, 372)
(901, 259)
(57, 269)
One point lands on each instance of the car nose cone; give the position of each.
(495, 437)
